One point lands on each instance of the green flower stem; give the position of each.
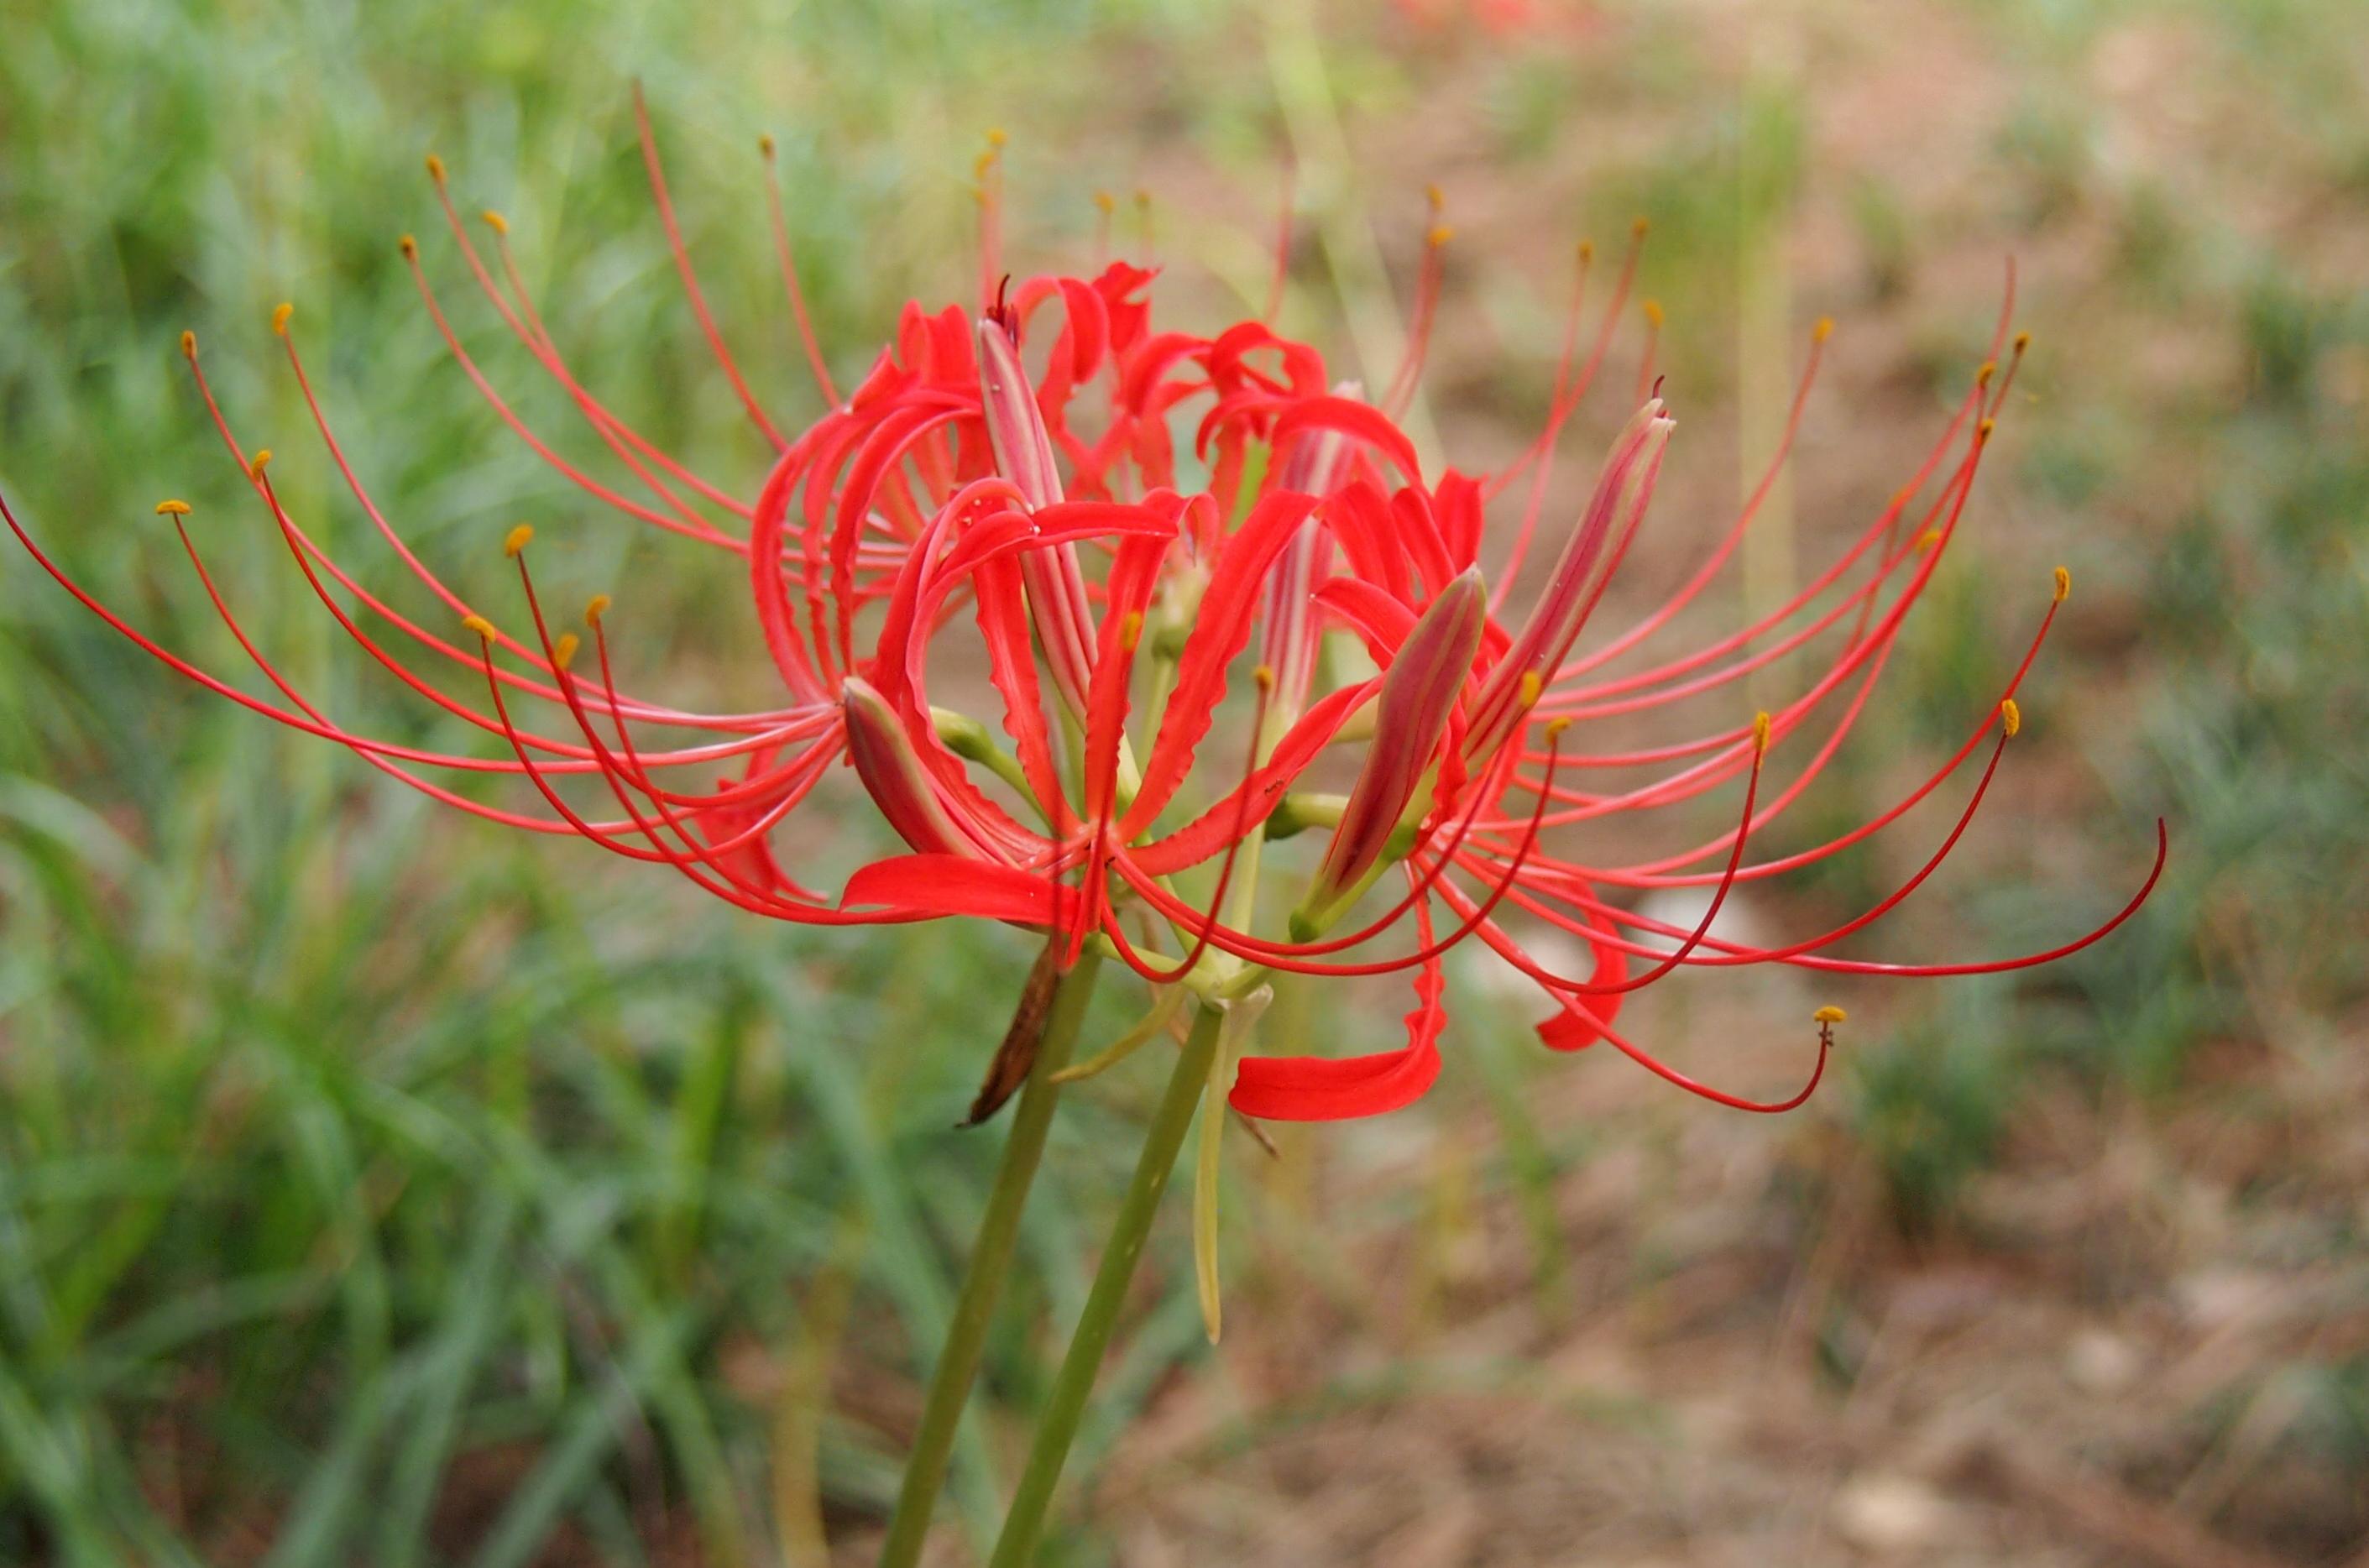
(1057, 1427)
(990, 1260)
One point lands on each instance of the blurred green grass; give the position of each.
(376, 1188)
(350, 1153)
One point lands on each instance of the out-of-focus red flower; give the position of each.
(1504, 21)
(1500, 17)
(1102, 538)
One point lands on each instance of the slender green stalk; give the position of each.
(990, 1260)
(1057, 1427)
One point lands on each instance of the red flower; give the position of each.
(1050, 511)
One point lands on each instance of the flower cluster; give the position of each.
(1146, 523)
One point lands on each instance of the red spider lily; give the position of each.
(1061, 515)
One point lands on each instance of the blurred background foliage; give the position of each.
(377, 1186)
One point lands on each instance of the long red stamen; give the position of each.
(1873, 652)
(690, 864)
(1282, 272)
(1719, 1096)
(690, 279)
(1709, 569)
(1694, 938)
(1608, 698)
(306, 551)
(1650, 874)
(1401, 392)
(1599, 540)
(1286, 955)
(541, 448)
(526, 325)
(789, 266)
(435, 585)
(1570, 392)
(1886, 522)
(1420, 881)
(613, 431)
(308, 722)
(579, 757)
(1792, 711)
(1742, 956)
(709, 853)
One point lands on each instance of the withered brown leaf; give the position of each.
(1017, 1054)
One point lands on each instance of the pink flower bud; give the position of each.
(1312, 466)
(1622, 492)
(1418, 695)
(1024, 455)
(894, 775)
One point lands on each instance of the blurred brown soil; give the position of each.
(1755, 1361)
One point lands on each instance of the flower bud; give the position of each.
(1016, 426)
(1024, 455)
(894, 775)
(1312, 466)
(1622, 492)
(1418, 695)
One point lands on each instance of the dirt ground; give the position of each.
(2111, 1351)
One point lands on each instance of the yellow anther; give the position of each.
(1759, 734)
(1983, 431)
(1824, 330)
(496, 222)
(1534, 685)
(2022, 341)
(2064, 584)
(1106, 200)
(1586, 251)
(765, 147)
(258, 462)
(172, 509)
(1982, 376)
(435, 168)
(1433, 194)
(409, 246)
(1641, 227)
(981, 164)
(1654, 317)
(1930, 538)
(995, 136)
(1830, 1014)
(1130, 631)
(2011, 716)
(1440, 234)
(189, 345)
(1264, 676)
(1555, 727)
(480, 625)
(518, 540)
(562, 650)
(595, 609)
